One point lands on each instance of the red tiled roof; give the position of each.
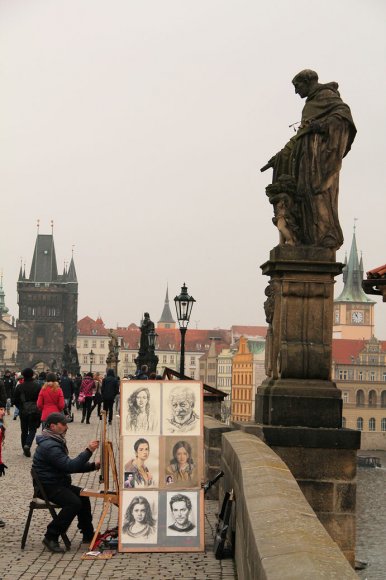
(379, 272)
(249, 331)
(89, 327)
(343, 349)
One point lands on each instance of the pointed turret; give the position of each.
(166, 320)
(44, 268)
(71, 274)
(352, 278)
(21, 272)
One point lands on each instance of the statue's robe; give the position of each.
(314, 160)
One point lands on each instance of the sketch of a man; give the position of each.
(183, 416)
(181, 507)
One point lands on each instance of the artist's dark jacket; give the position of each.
(52, 464)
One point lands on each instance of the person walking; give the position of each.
(97, 399)
(51, 399)
(9, 385)
(26, 396)
(110, 388)
(87, 390)
(77, 384)
(67, 386)
(54, 467)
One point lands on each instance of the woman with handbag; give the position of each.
(51, 399)
(97, 399)
(87, 390)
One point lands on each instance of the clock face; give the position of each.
(357, 316)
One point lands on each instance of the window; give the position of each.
(360, 398)
(172, 358)
(85, 359)
(94, 344)
(372, 424)
(85, 344)
(342, 375)
(383, 399)
(192, 374)
(383, 424)
(384, 376)
(102, 344)
(164, 358)
(372, 376)
(126, 357)
(101, 359)
(360, 376)
(345, 397)
(360, 424)
(193, 360)
(343, 422)
(372, 398)
(133, 357)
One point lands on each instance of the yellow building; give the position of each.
(243, 396)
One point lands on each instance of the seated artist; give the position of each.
(53, 467)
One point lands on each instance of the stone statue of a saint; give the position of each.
(146, 327)
(305, 183)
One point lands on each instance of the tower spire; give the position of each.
(353, 275)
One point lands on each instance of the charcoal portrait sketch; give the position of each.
(139, 523)
(142, 410)
(182, 513)
(181, 410)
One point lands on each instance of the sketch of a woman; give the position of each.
(181, 467)
(140, 419)
(139, 522)
(141, 474)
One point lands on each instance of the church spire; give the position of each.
(166, 320)
(44, 267)
(352, 277)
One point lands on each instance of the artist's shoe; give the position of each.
(26, 451)
(82, 421)
(53, 546)
(2, 524)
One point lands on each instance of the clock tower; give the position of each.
(353, 309)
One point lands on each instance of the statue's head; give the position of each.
(304, 81)
(146, 315)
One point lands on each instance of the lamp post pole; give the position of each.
(184, 304)
(91, 355)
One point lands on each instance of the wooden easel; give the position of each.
(110, 497)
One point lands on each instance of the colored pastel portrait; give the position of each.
(181, 462)
(140, 457)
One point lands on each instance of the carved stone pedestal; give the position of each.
(299, 308)
(298, 408)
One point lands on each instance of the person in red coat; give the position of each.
(51, 399)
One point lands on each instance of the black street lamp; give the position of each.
(151, 337)
(91, 355)
(184, 305)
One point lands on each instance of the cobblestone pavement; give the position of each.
(36, 562)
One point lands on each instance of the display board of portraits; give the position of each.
(161, 507)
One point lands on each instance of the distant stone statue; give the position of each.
(305, 183)
(146, 327)
(113, 342)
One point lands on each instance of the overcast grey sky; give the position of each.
(140, 128)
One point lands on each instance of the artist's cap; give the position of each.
(56, 418)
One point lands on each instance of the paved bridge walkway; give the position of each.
(37, 563)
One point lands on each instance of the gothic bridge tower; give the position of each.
(48, 309)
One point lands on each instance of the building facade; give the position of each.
(359, 370)
(48, 307)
